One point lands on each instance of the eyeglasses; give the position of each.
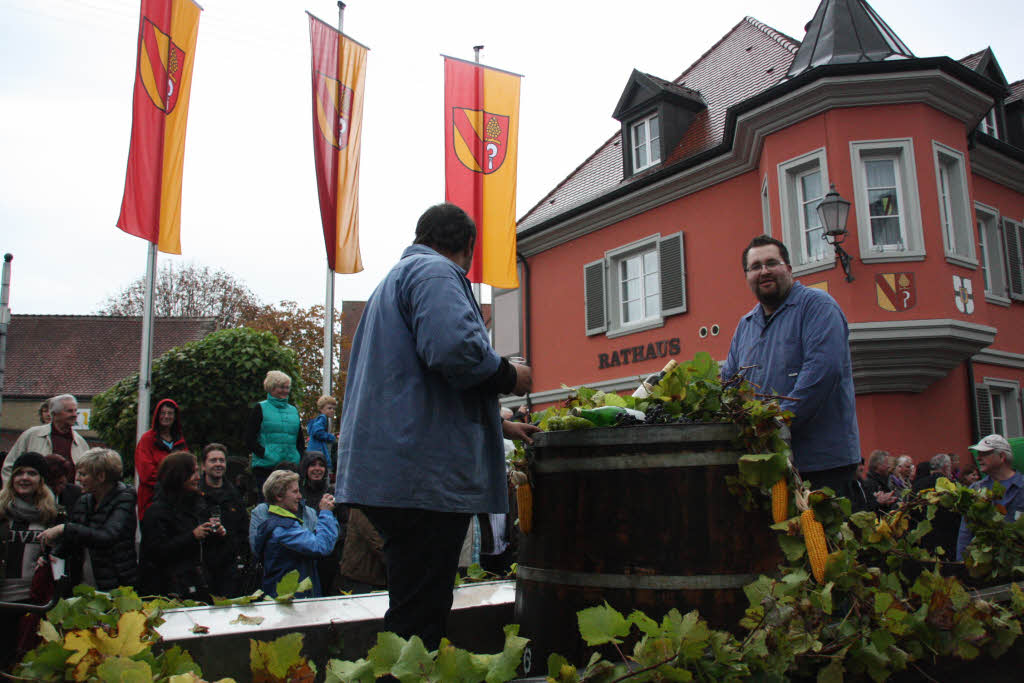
(767, 265)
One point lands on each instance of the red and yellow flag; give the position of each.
(481, 136)
(151, 206)
(339, 70)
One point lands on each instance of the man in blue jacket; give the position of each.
(795, 343)
(421, 447)
(995, 458)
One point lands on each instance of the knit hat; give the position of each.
(33, 460)
(992, 442)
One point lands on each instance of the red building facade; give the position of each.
(635, 257)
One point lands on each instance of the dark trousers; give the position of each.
(260, 476)
(421, 551)
(842, 480)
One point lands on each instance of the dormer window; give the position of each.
(654, 114)
(988, 124)
(646, 143)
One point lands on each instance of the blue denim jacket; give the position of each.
(802, 351)
(416, 430)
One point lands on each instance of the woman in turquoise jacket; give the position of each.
(274, 431)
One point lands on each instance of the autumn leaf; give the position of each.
(131, 629)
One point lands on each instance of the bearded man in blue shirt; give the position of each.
(421, 447)
(795, 343)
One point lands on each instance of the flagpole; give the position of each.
(477, 293)
(327, 387)
(146, 352)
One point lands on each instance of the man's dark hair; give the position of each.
(210, 448)
(175, 470)
(445, 228)
(764, 241)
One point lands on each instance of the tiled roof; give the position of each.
(749, 59)
(85, 355)
(1016, 91)
(971, 61)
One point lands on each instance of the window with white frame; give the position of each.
(886, 200)
(646, 143)
(766, 207)
(991, 255)
(954, 215)
(802, 183)
(988, 124)
(634, 287)
(999, 408)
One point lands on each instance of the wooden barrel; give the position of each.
(640, 517)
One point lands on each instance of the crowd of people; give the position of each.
(183, 530)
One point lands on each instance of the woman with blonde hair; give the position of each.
(273, 433)
(98, 539)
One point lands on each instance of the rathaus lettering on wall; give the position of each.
(637, 354)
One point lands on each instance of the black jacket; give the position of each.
(170, 557)
(108, 532)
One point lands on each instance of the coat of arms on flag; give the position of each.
(479, 138)
(333, 110)
(963, 294)
(160, 65)
(895, 291)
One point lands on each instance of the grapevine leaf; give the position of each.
(386, 652)
(44, 663)
(47, 632)
(503, 667)
(360, 671)
(475, 571)
(793, 547)
(614, 400)
(456, 665)
(175, 661)
(762, 469)
(602, 624)
(644, 623)
(833, 673)
(124, 670)
(414, 662)
(944, 484)
(277, 656)
(131, 628)
(556, 666)
(289, 585)
(246, 620)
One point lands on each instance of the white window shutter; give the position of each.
(984, 403)
(672, 269)
(594, 297)
(1014, 236)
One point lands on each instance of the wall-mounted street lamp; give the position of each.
(833, 211)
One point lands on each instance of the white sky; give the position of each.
(249, 199)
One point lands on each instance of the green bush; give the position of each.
(214, 381)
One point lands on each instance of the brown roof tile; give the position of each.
(749, 59)
(971, 61)
(85, 355)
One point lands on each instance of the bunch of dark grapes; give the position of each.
(626, 420)
(657, 415)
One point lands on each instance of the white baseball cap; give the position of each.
(992, 442)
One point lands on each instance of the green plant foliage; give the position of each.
(214, 381)
(280, 660)
(289, 585)
(409, 660)
(104, 637)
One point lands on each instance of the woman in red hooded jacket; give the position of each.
(164, 437)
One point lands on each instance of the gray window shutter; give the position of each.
(594, 297)
(672, 268)
(984, 401)
(1014, 236)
